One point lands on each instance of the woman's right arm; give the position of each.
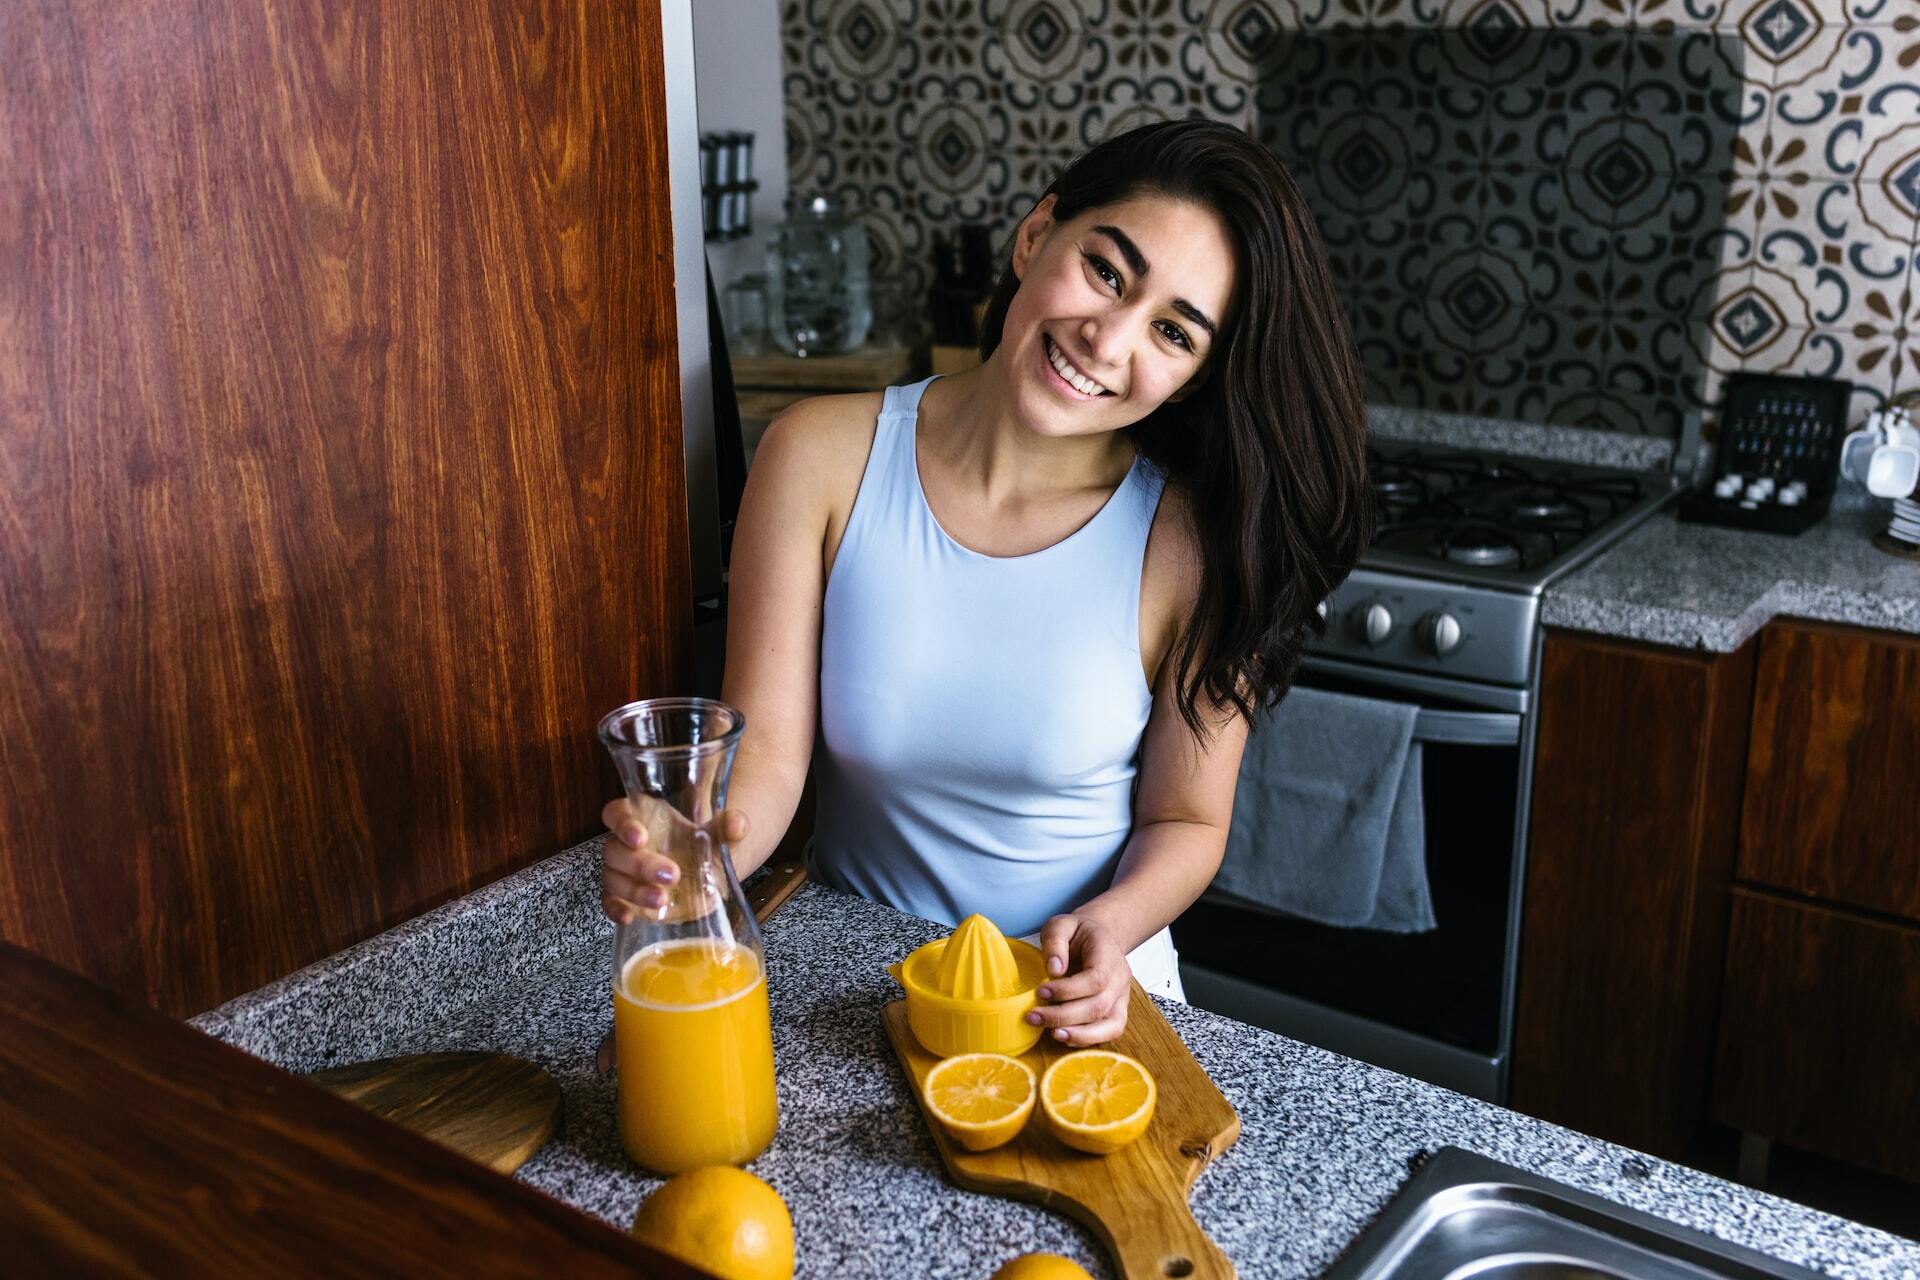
(775, 589)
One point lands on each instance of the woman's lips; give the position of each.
(1053, 374)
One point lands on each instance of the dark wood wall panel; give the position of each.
(341, 479)
(1820, 1032)
(1835, 767)
(1636, 793)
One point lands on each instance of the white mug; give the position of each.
(1893, 471)
(1857, 450)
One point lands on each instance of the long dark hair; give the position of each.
(1272, 445)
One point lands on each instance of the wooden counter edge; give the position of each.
(131, 1144)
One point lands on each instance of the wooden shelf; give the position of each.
(867, 369)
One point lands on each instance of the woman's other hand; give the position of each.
(634, 874)
(1089, 982)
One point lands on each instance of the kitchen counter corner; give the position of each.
(1695, 586)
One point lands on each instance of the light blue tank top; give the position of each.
(980, 716)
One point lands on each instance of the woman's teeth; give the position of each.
(1073, 377)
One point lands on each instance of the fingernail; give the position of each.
(656, 897)
(1056, 966)
(1060, 1034)
(1033, 1019)
(631, 835)
(664, 875)
(1046, 993)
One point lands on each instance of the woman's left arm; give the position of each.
(1181, 812)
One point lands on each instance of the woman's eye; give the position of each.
(1104, 271)
(1174, 333)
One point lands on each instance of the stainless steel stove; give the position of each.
(1464, 544)
(1442, 612)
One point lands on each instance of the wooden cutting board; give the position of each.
(490, 1107)
(1135, 1200)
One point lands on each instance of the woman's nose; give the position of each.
(1106, 341)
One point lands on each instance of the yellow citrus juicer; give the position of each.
(970, 992)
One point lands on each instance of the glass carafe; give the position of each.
(692, 1034)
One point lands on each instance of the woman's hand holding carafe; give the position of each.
(636, 872)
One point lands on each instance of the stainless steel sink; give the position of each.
(1465, 1217)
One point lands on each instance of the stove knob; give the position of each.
(1372, 623)
(1440, 632)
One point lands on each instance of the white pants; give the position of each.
(1155, 965)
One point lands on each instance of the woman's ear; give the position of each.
(1032, 234)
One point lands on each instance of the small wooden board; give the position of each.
(490, 1107)
(1135, 1200)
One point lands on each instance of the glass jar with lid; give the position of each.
(818, 298)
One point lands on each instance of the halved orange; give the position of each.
(982, 1099)
(1097, 1100)
(1041, 1266)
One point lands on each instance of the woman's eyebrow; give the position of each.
(1194, 314)
(1137, 261)
(1128, 249)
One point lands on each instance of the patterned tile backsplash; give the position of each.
(1574, 211)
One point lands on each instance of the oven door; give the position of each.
(1435, 1005)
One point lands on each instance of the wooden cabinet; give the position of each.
(342, 486)
(1722, 912)
(1635, 796)
(1820, 1032)
(1833, 779)
(1819, 1037)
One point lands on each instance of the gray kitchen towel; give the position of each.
(1328, 819)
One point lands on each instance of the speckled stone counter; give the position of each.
(1526, 439)
(1704, 587)
(522, 967)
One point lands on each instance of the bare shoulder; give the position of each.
(813, 456)
(822, 434)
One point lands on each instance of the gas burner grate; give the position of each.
(1492, 513)
(1463, 540)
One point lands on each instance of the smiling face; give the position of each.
(1118, 311)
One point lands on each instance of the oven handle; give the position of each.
(1467, 728)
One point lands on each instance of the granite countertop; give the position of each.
(1689, 585)
(522, 967)
(1704, 587)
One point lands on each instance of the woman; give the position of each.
(1031, 608)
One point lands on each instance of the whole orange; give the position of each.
(723, 1220)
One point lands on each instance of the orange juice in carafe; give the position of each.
(691, 1025)
(695, 1046)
